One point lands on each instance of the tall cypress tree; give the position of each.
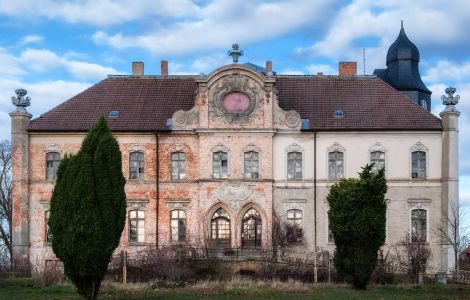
(357, 220)
(88, 209)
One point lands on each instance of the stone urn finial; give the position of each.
(450, 100)
(21, 101)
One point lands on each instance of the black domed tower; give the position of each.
(402, 71)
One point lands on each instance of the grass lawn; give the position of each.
(28, 288)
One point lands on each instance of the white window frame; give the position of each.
(418, 147)
(294, 147)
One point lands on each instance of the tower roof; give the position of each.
(402, 48)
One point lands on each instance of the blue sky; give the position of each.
(56, 49)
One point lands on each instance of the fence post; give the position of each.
(124, 266)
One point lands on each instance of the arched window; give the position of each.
(136, 165)
(335, 165)
(251, 165)
(294, 165)
(178, 165)
(178, 225)
(418, 224)
(219, 165)
(378, 158)
(295, 228)
(220, 229)
(418, 165)
(48, 236)
(52, 165)
(136, 226)
(251, 229)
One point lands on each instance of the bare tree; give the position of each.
(412, 254)
(5, 202)
(452, 232)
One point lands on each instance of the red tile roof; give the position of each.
(367, 103)
(145, 103)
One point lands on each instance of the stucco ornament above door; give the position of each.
(234, 99)
(236, 194)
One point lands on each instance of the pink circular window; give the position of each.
(236, 102)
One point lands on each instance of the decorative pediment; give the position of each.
(220, 147)
(289, 118)
(136, 147)
(234, 82)
(53, 148)
(419, 203)
(251, 147)
(183, 118)
(294, 147)
(377, 147)
(336, 147)
(419, 147)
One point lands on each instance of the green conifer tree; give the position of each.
(357, 220)
(88, 209)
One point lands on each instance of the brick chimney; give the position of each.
(347, 68)
(164, 68)
(138, 68)
(269, 68)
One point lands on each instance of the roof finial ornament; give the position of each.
(450, 100)
(401, 24)
(235, 53)
(20, 101)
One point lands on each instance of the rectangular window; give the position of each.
(294, 165)
(418, 165)
(136, 165)
(136, 226)
(418, 224)
(295, 225)
(178, 225)
(52, 165)
(251, 165)
(48, 232)
(335, 165)
(219, 165)
(378, 158)
(178, 166)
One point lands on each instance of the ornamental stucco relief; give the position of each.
(236, 194)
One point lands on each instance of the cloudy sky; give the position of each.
(56, 49)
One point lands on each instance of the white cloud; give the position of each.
(446, 70)
(41, 60)
(29, 39)
(99, 12)
(220, 24)
(9, 65)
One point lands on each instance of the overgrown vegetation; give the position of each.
(357, 220)
(5, 203)
(26, 288)
(88, 209)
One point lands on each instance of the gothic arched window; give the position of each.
(251, 229)
(220, 229)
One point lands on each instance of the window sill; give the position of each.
(136, 180)
(136, 244)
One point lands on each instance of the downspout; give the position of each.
(315, 186)
(315, 200)
(157, 181)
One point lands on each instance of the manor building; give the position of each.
(211, 159)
